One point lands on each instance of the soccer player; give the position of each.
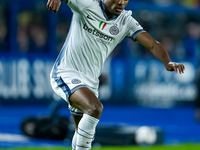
(97, 27)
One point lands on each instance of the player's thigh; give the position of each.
(85, 100)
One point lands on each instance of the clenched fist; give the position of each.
(53, 5)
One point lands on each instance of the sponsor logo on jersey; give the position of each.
(114, 30)
(102, 41)
(102, 25)
(96, 33)
(76, 81)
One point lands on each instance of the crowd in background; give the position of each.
(187, 3)
(30, 28)
(4, 46)
(178, 32)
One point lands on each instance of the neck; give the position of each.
(109, 15)
(107, 11)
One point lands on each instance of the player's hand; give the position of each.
(53, 5)
(172, 66)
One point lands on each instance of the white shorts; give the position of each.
(64, 87)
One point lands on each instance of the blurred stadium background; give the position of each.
(135, 88)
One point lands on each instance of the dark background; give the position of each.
(135, 87)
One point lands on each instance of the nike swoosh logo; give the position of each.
(88, 16)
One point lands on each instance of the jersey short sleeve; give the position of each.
(78, 5)
(134, 28)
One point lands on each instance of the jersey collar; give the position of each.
(104, 10)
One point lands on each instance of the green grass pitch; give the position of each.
(162, 147)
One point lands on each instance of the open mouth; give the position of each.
(119, 9)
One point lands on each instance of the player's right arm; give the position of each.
(53, 5)
(75, 5)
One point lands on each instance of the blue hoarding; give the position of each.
(136, 81)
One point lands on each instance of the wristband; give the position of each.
(172, 63)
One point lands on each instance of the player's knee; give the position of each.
(95, 110)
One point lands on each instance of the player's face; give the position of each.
(115, 7)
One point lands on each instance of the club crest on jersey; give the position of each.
(102, 25)
(114, 30)
(76, 81)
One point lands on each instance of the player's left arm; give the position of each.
(159, 52)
